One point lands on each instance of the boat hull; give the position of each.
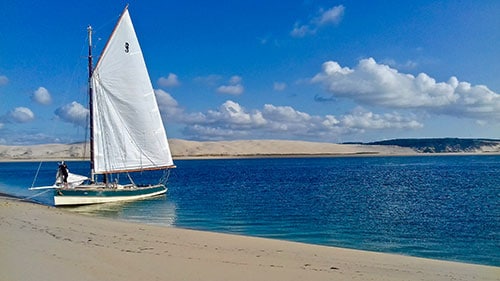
(88, 195)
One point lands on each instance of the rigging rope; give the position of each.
(165, 176)
(36, 174)
(130, 179)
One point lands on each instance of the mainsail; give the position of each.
(128, 130)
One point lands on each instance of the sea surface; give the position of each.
(443, 207)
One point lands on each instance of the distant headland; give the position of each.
(445, 145)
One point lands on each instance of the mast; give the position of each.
(91, 113)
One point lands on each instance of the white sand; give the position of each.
(44, 243)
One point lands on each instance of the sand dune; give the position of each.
(45, 151)
(217, 149)
(183, 148)
(186, 149)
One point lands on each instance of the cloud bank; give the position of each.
(232, 121)
(374, 84)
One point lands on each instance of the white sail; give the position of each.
(128, 130)
(72, 180)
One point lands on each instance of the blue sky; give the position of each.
(329, 71)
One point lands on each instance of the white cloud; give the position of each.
(234, 85)
(164, 99)
(42, 96)
(234, 88)
(301, 30)
(21, 115)
(233, 115)
(213, 133)
(230, 89)
(73, 113)
(3, 80)
(209, 80)
(170, 81)
(330, 16)
(409, 64)
(279, 86)
(365, 120)
(230, 121)
(168, 105)
(235, 79)
(284, 114)
(325, 17)
(376, 84)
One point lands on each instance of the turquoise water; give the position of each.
(444, 207)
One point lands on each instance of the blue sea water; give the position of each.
(444, 207)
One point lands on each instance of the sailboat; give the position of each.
(126, 130)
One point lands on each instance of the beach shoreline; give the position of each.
(46, 243)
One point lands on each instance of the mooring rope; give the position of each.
(38, 194)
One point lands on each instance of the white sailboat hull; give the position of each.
(83, 196)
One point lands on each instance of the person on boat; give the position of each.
(63, 172)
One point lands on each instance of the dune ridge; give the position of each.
(223, 149)
(186, 149)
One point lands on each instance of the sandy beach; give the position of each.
(46, 243)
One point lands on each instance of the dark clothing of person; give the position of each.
(63, 170)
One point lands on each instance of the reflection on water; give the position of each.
(156, 211)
